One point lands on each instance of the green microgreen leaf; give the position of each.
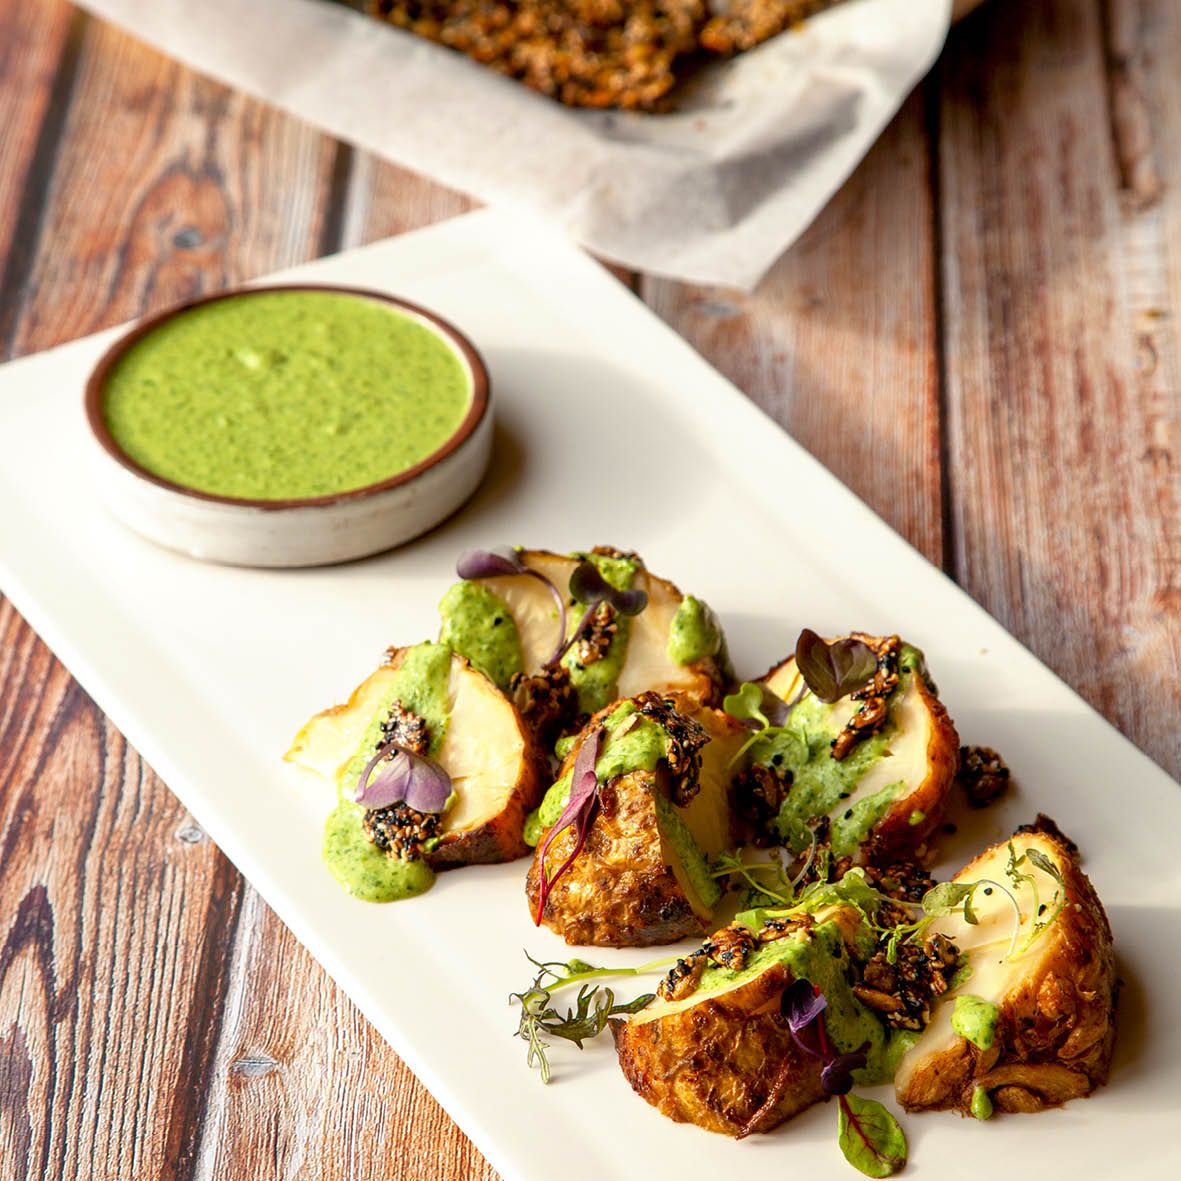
(747, 704)
(870, 1137)
(593, 1007)
(950, 897)
(755, 874)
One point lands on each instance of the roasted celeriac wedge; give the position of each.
(875, 768)
(509, 626)
(1032, 1025)
(643, 875)
(713, 1049)
(472, 730)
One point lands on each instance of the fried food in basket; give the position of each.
(597, 53)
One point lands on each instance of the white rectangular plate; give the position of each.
(610, 430)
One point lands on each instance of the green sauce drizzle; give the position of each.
(362, 868)
(595, 682)
(694, 633)
(981, 1106)
(420, 683)
(819, 782)
(640, 749)
(975, 1019)
(478, 624)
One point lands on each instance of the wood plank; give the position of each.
(305, 1086)
(168, 187)
(1062, 273)
(837, 344)
(38, 53)
(119, 915)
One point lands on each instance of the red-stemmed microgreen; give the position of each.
(579, 813)
(593, 1008)
(404, 776)
(869, 1135)
(835, 670)
(474, 564)
(588, 587)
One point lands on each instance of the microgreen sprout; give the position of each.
(762, 711)
(474, 564)
(579, 813)
(594, 1005)
(406, 776)
(589, 587)
(732, 865)
(869, 1135)
(835, 670)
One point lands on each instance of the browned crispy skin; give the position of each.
(720, 1063)
(619, 892)
(1056, 1030)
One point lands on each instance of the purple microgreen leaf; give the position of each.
(627, 602)
(402, 775)
(833, 671)
(429, 786)
(489, 563)
(388, 786)
(774, 708)
(837, 1076)
(580, 809)
(801, 1004)
(587, 585)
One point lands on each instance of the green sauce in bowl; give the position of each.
(286, 394)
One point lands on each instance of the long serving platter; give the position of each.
(609, 429)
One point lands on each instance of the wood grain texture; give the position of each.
(38, 52)
(838, 342)
(1060, 270)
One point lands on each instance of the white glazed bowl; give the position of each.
(312, 532)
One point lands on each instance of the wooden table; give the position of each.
(978, 335)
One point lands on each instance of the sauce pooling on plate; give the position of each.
(285, 395)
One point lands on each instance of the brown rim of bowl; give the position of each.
(479, 405)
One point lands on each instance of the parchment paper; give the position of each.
(712, 193)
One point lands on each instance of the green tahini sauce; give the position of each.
(421, 684)
(478, 624)
(694, 633)
(822, 784)
(819, 782)
(981, 1107)
(595, 682)
(974, 1019)
(285, 394)
(640, 749)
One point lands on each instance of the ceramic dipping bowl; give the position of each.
(296, 530)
